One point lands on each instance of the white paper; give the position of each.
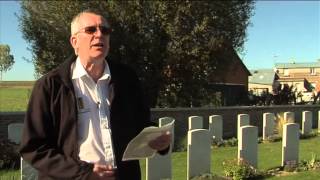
(138, 147)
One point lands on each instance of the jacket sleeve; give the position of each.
(38, 145)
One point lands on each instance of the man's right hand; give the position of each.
(102, 172)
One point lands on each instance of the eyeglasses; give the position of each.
(92, 29)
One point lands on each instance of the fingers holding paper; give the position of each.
(161, 142)
(103, 172)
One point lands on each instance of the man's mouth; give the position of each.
(98, 45)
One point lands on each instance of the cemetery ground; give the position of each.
(16, 95)
(269, 157)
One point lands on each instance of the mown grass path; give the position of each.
(14, 99)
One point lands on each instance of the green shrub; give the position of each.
(240, 170)
(312, 164)
(9, 156)
(232, 142)
(225, 143)
(274, 138)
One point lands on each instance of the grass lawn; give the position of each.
(306, 175)
(15, 98)
(10, 175)
(269, 156)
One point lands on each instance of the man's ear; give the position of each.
(73, 41)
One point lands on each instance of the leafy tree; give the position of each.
(6, 59)
(200, 33)
(140, 41)
(174, 46)
(46, 26)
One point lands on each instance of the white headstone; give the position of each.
(195, 122)
(216, 127)
(159, 166)
(268, 125)
(27, 171)
(290, 144)
(289, 117)
(318, 121)
(248, 145)
(15, 132)
(243, 120)
(306, 122)
(199, 153)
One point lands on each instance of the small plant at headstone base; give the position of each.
(312, 164)
(225, 143)
(217, 143)
(209, 176)
(9, 156)
(239, 170)
(273, 171)
(273, 138)
(231, 142)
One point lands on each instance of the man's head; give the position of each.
(90, 35)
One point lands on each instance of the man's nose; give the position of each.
(98, 32)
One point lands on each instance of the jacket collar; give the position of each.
(65, 71)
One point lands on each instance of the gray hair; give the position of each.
(75, 20)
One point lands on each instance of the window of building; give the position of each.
(313, 71)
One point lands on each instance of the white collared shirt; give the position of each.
(94, 133)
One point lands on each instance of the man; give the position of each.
(82, 115)
(316, 92)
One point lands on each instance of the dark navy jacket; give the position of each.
(49, 141)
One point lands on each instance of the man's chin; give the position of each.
(98, 57)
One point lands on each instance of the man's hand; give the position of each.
(102, 172)
(162, 142)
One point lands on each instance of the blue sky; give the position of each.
(281, 32)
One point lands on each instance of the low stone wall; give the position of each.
(229, 116)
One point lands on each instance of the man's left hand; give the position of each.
(162, 142)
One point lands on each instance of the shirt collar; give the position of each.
(106, 73)
(78, 71)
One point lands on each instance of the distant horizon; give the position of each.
(280, 32)
(17, 81)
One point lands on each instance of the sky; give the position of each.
(280, 32)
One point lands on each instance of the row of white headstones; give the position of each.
(200, 139)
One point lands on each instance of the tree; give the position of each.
(46, 26)
(200, 32)
(6, 59)
(173, 46)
